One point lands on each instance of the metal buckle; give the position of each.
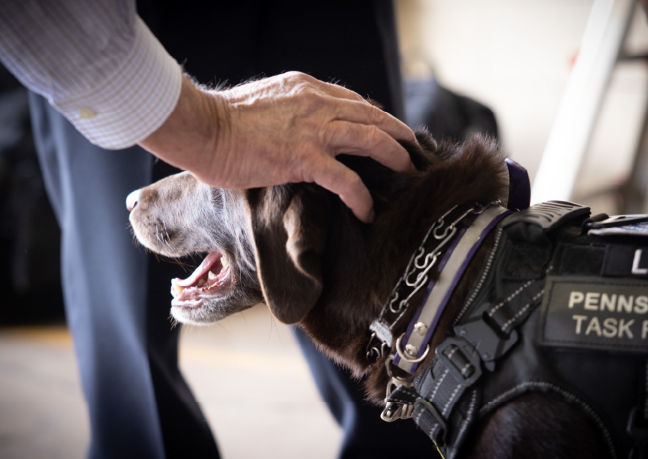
(395, 410)
(406, 355)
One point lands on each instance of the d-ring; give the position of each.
(403, 354)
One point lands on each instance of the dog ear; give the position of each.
(289, 231)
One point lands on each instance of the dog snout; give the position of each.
(132, 199)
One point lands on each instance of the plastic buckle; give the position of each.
(487, 341)
(461, 359)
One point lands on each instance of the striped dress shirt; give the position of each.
(95, 61)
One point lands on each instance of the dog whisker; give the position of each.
(173, 322)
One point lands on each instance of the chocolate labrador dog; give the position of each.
(500, 368)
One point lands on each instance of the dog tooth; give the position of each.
(211, 276)
(224, 262)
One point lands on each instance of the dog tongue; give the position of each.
(200, 271)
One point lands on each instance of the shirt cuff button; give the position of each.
(87, 113)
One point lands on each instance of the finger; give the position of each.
(365, 113)
(370, 141)
(339, 179)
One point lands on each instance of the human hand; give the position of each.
(287, 128)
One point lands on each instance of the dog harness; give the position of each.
(560, 306)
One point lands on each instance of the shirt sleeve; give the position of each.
(95, 61)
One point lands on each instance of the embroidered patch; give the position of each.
(597, 313)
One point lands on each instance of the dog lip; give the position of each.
(186, 304)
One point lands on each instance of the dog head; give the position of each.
(297, 248)
(179, 216)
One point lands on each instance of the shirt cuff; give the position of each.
(131, 103)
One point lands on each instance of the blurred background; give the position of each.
(563, 84)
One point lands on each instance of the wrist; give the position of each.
(192, 137)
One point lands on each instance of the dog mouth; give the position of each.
(211, 278)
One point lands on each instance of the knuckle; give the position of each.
(299, 80)
(307, 93)
(294, 75)
(311, 101)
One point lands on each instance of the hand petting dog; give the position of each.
(283, 129)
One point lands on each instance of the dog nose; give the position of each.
(132, 199)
